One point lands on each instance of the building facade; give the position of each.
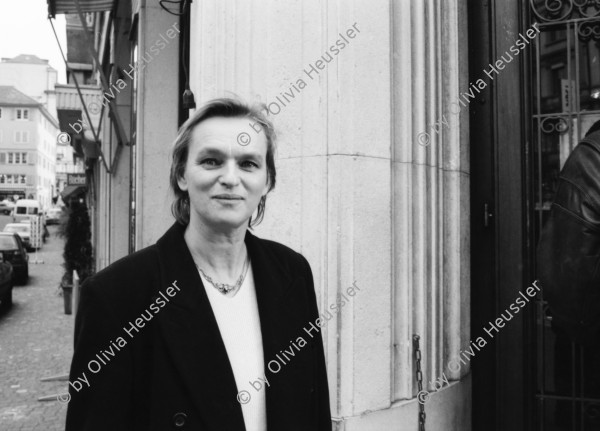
(78, 107)
(35, 78)
(27, 148)
(32, 76)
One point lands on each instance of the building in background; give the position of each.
(32, 76)
(35, 79)
(27, 148)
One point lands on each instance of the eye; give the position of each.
(210, 162)
(248, 164)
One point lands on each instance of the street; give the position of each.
(36, 340)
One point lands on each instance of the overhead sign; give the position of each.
(76, 180)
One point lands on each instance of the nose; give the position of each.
(229, 176)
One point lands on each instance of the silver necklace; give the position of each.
(225, 288)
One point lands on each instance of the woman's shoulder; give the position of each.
(277, 248)
(287, 257)
(136, 269)
(145, 258)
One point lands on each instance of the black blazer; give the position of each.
(172, 371)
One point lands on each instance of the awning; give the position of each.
(68, 6)
(66, 117)
(72, 191)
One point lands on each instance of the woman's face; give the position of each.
(225, 179)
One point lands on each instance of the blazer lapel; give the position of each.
(282, 316)
(192, 336)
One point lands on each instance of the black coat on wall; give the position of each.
(569, 247)
(171, 371)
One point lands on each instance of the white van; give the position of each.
(24, 209)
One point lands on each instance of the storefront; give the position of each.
(76, 188)
(12, 194)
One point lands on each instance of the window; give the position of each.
(22, 114)
(8, 243)
(21, 137)
(16, 158)
(13, 179)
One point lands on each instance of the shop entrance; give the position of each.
(522, 129)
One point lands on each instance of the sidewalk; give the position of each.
(36, 340)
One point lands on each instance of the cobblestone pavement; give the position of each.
(36, 339)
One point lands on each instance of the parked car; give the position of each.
(24, 208)
(53, 215)
(6, 207)
(14, 252)
(6, 283)
(21, 229)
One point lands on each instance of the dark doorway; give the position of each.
(499, 245)
(523, 128)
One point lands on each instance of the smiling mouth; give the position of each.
(229, 197)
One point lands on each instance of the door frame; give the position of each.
(502, 252)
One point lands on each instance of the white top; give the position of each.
(239, 325)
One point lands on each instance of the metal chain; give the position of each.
(419, 375)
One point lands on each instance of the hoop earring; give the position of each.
(187, 206)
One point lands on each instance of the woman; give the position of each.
(206, 329)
